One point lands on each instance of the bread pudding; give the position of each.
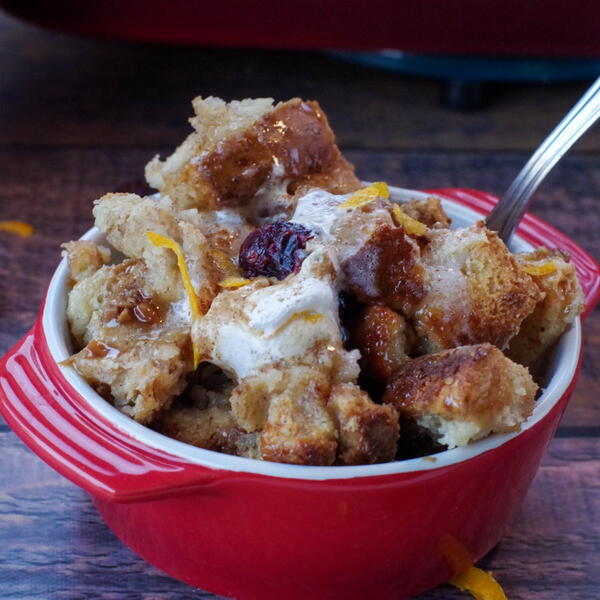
(267, 304)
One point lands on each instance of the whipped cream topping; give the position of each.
(295, 321)
(241, 350)
(276, 305)
(272, 201)
(318, 211)
(345, 230)
(448, 261)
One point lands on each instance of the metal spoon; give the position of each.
(508, 212)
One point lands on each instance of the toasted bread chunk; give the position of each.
(387, 270)
(113, 296)
(214, 121)
(250, 399)
(141, 380)
(299, 428)
(246, 149)
(475, 290)
(563, 301)
(212, 427)
(384, 340)
(137, 345)
(84, 258)
(367, 432)
(345, 228)
(464, 394)
(428, 211)
(456, 287)
(85, 304)
(281, 344)
(126, 219)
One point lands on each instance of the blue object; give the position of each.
(478, 68)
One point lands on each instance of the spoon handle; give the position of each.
(508, 212)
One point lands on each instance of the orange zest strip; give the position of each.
(232, 283)
(543, 269)
(375, 190)
(161, 241)
(306, 315)
(480, 584)
(457, 555)
(17, 227)
(311, 317)
(233, 278)
(412, 226)
(224, 263)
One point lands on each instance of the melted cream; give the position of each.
(295, 321)
(318, 211)
(344, 229)
(274, 306)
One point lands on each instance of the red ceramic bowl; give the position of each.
(493, 28)
(252, 529)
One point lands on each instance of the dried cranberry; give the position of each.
(274, 250)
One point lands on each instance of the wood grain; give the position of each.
(105, 92)
(81, 117)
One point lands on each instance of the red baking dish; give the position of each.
(257, 530)
(493, 28)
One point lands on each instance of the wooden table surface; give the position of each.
(81, 117)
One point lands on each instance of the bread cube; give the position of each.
(246, 150)
(562, 302)
(464, 394)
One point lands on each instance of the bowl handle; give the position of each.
(58, 425)
(538, 233)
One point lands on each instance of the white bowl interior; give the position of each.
(561, 368)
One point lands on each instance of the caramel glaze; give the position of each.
(97, 349)
(386, 270)
(128, 302)
(384, 339)
(136, 307)
(296, 136)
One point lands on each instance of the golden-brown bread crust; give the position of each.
(368, 432)
(476, 388)
(475, 290)
(386, 270)
(299, 428)
(136, 350)
(384, 339)
(428, 211)
(456, 287)
(212, 427)
(296, 133)
(294, 136)
(562, 302)
(84, 258)
(141, 380)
